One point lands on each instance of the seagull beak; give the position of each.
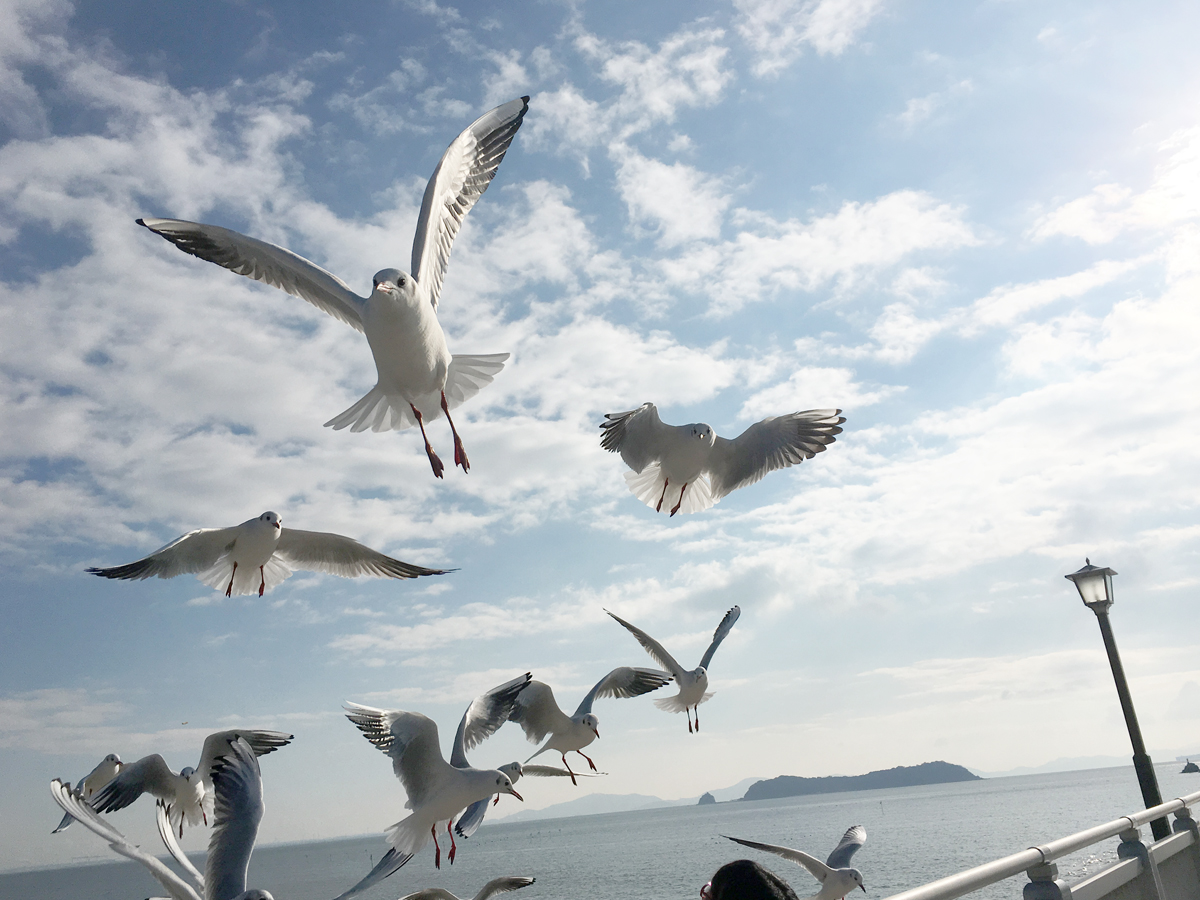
(597, 730)
(515, 794)
(864, 890)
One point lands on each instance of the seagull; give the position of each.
(437, 791)
(693, 455)
(190, 793)
(495, 886)
(539, 715)
(237, 782)
(215, 556)
(418, 378)
(836, 877)
(693, 685)
(106, 770)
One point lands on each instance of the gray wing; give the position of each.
(854, 838)
(503, 885)
(104, 772)
(819, 870)
(719, 635)
(78, 809)
(484, 717)
(193, 552)
(150, 773)
(462, 175)
(336, 554)
(555, 772)
(623, 681)
(468, 823)
(263, 262)
(638, 435)
(166, 831)
(774, 443)
(656, 650)
(388, 864)
(237, 782)
(217, 745)
(410, 739)
(537, 712)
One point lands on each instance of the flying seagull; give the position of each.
(437, 791)
(835, 874)
(677, 457)
(237, 783)
(539, 715)
(418, 378)
(495, 886)
(262, 550)
(189, 795)
(693, 685)
(106, 770)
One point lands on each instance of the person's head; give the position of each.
(744, 879)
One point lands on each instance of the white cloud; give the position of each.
(921, 109)
(681, 203)
(778, 30)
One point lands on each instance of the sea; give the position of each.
(914, 835)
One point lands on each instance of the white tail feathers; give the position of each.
(675, 704)
(247, 579)
(380, 411)
(409, 836)
(647, 486)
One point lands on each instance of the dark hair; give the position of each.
(744, 879)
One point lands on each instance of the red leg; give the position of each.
(437, 851)
(453, 847)
(697, 709)
(589, 759)
(460, 455)
(495, 800)
(687, 712)
(229, 590)
(658, 508)
(675, 508)
(261, 587)
(568, 765)
(433, 457)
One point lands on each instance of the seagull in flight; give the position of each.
(237, 783)
(495, 886)
(189, 795)
(693, 685)
(437, 790)
(677, 457)
(262, 550)
(419, 379)
(539, 715)
(835, 874)
(106, 770)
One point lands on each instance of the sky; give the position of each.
(973, 227)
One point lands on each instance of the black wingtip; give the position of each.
(142, 222)
(526, 99)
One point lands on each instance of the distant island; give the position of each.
(706, 799)
(902, 776)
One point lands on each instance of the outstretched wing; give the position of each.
(336, 554)
(656, 650)
(263, 262)
(537, 712)
(854, 838)
(503, 885)
(639, 435)
(150, 773)
(194, 552)
(411, 740)
(723, 629)
(819, 870)
(237, 782)
(217, 745)
(623, 681)
(484, 716)
(774, 443)
(174, 885)
(166, 831)
(462, 175)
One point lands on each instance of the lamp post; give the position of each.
(1095, 589)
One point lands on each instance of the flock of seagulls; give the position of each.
(683, 468)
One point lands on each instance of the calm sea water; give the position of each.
(914, 835)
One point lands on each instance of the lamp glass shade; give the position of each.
(1094, 584)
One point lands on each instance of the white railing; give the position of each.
(1035, 858)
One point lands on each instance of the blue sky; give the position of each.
(973, 227)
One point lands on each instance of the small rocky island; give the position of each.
(707, 798)
(902, 776)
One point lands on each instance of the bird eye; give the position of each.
(399, 282)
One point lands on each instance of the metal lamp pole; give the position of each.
(1095, 589)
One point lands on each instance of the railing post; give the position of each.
(1185, 822)
(1131, 847)
(1044, 884)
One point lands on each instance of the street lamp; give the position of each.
(1095, 589)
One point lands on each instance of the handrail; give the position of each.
(969, 880)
